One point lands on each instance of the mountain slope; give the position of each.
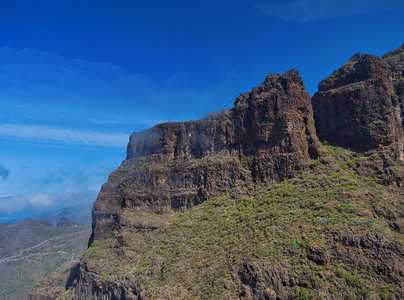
(246, 203)
(325, 230)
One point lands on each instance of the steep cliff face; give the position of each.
(273, 117)
(360, 105)
(269, 135)
(395, 60)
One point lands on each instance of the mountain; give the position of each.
(78, 213)
(360, 106)
(32, 249)
(268, 136)
(280, 197)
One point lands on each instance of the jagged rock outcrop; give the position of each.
(268, 135)
(360, 105)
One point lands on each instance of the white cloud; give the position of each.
(53, 67)
(41, 201)
(311, 10)
(48, 134)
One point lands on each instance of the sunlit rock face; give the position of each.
(360, 105)
(268, 135)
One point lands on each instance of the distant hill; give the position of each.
(12, 221)
(33, 248)
(78, 213)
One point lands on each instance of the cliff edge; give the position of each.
(268, 136)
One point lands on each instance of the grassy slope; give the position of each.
(257, 240)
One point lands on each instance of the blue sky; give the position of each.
(78, 77)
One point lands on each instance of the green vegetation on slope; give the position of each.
(324, 234)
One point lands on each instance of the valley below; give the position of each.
(33, 249)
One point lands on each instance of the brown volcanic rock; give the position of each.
(261, 119)
(395, 60)
(269, 135)
(358, 106)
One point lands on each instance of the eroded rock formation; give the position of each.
(360, 105)
(268, 135)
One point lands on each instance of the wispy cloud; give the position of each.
(43, 87)
(38, 87)
(311, 10)
(4, 172)
(41, 201)
(47, 134)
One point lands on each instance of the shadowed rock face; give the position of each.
(360, 105)
(269, 135)
(395, 60)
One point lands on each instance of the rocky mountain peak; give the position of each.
(291, 76)
(360, 105)
(279, 87)
(360, 67)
